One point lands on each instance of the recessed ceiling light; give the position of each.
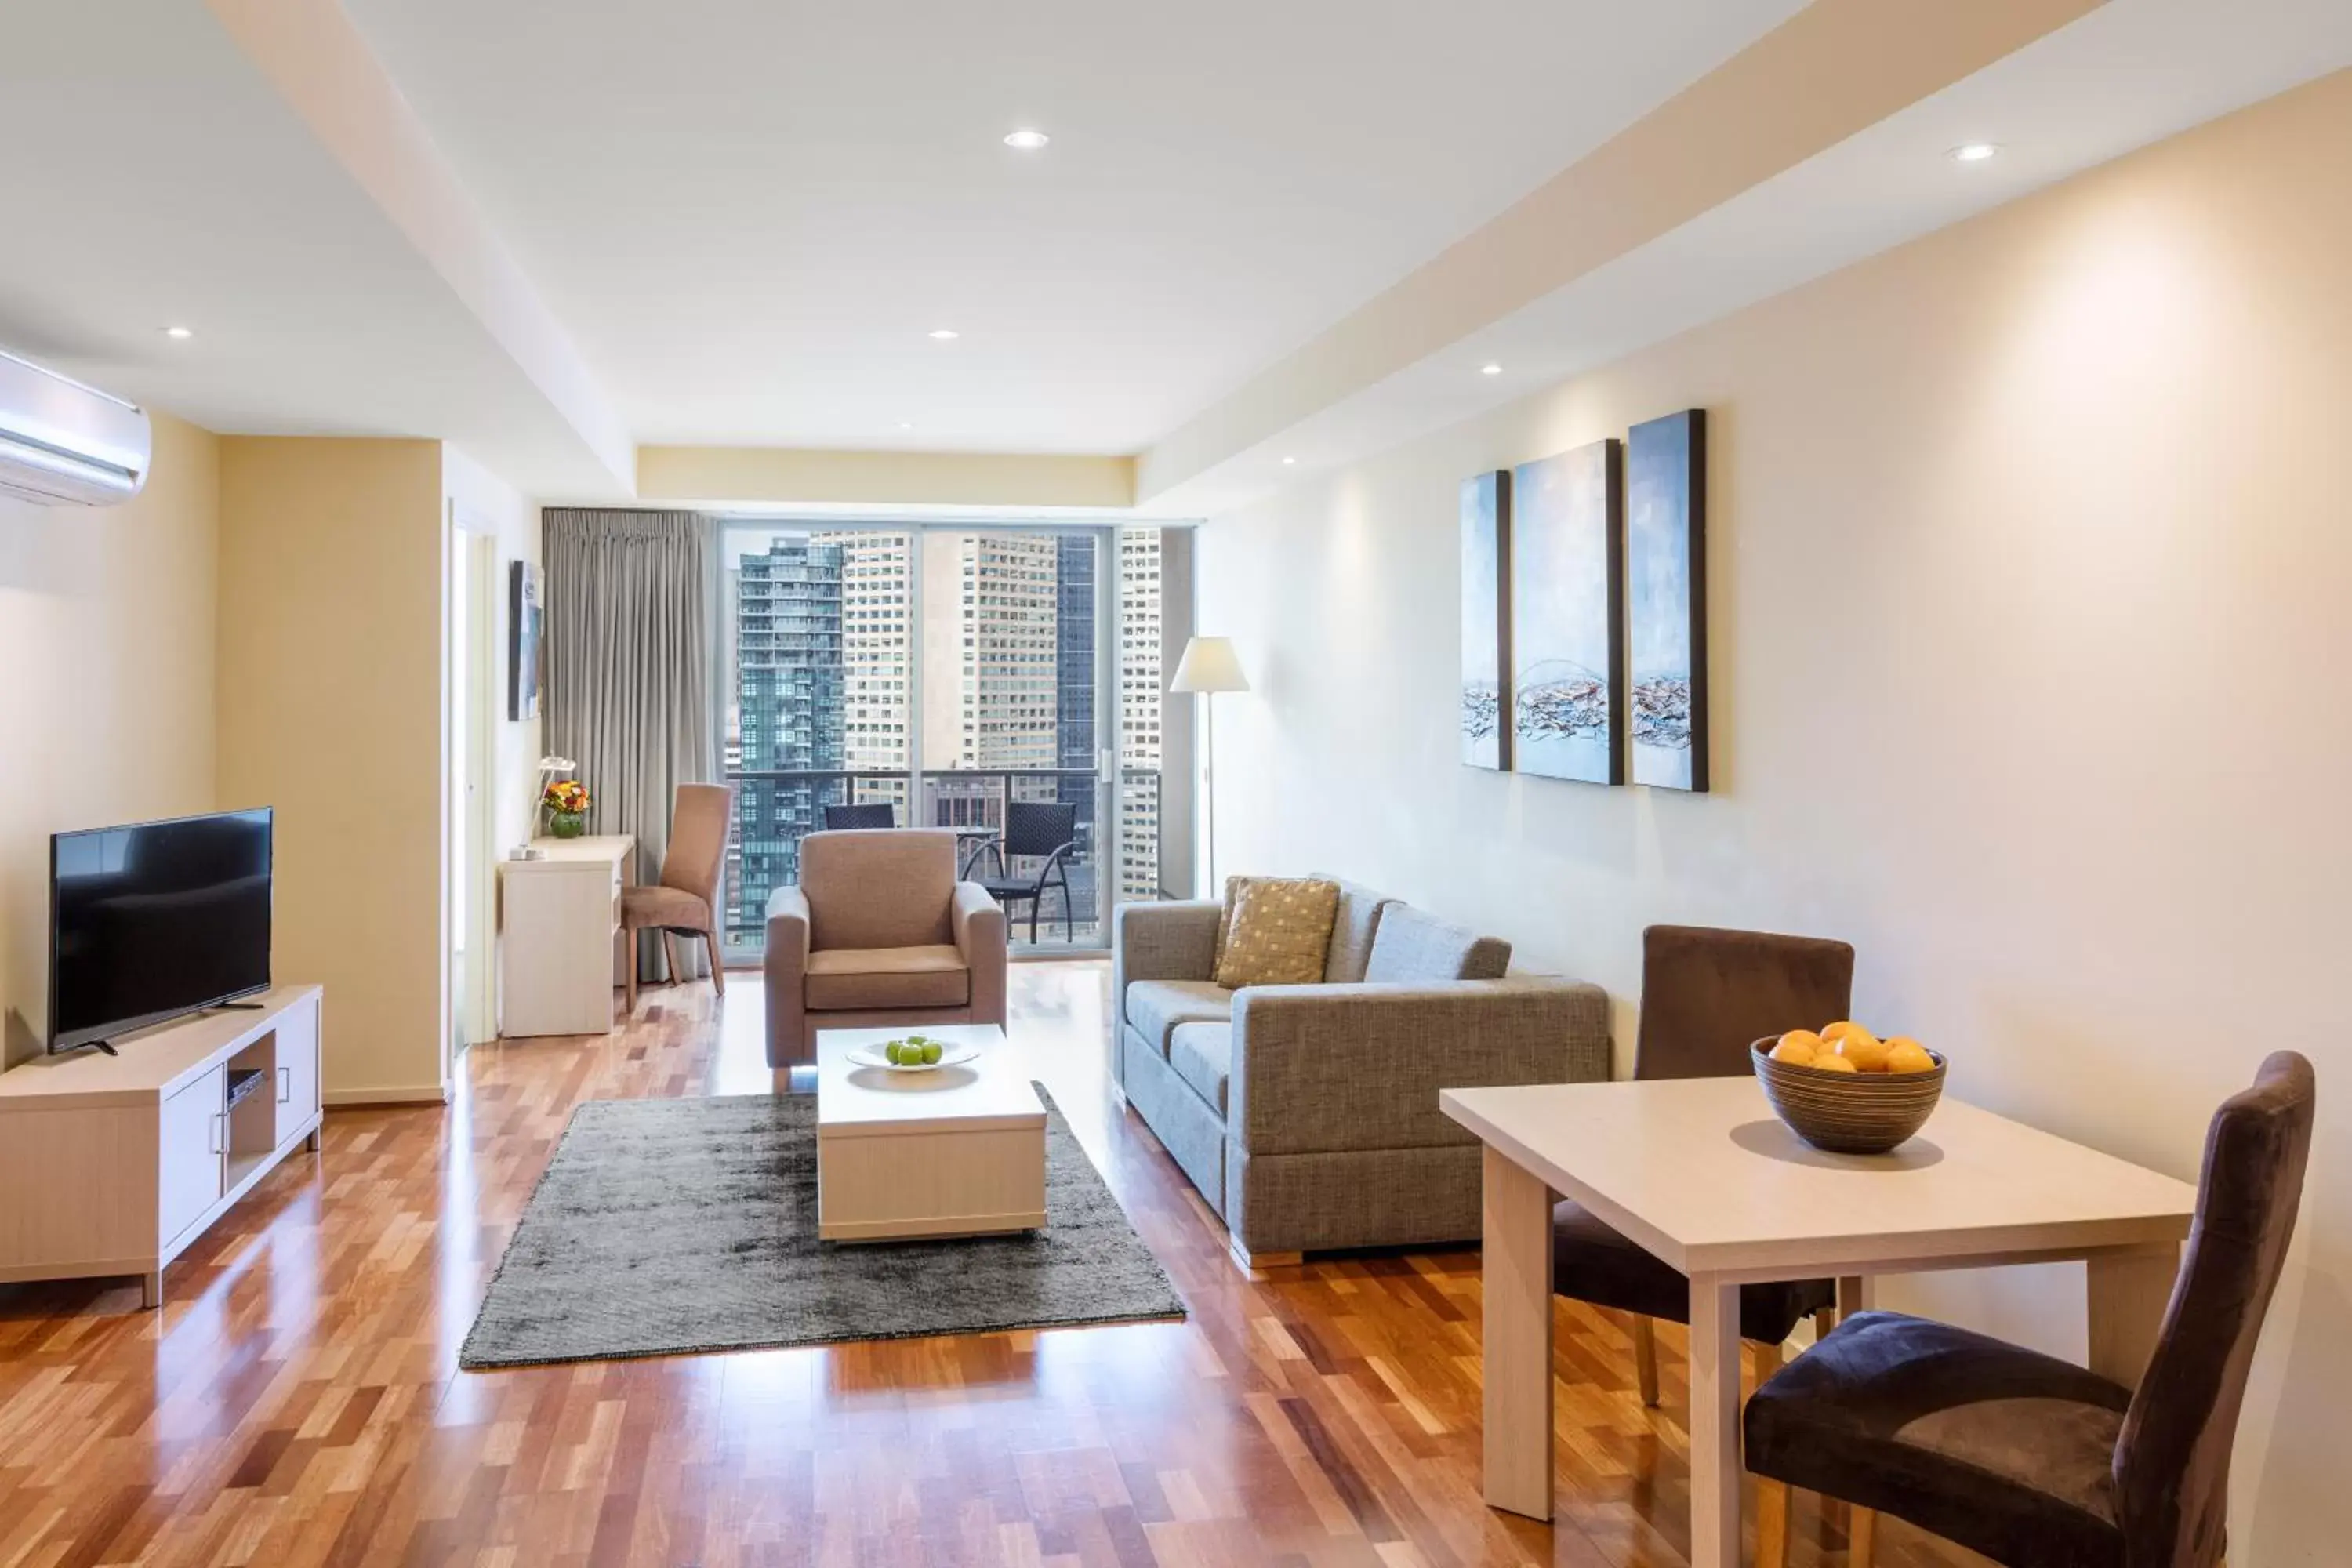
(1289, 462)
(946, 334)
(1490, 369)
(181, 332)
(1973, 151)
(906, 425)
(1027, 141)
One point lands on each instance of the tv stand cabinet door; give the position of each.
(194, 1140)
(296, 1089)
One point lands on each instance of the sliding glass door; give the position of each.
(995, 682)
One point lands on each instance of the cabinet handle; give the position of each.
(211, 1123)
(285, 1085)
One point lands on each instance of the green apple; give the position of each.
(932, 1052)
(891, 1052)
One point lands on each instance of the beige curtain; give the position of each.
(630, 658)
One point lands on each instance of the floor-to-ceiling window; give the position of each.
(975, 678)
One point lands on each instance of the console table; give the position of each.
(115, 1165)
(560, 942)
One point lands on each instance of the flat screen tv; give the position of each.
(155, 921)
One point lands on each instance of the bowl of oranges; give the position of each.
(1844, 1090)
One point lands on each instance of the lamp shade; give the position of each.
(1208, 664)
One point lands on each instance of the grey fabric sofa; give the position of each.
(1306, 1115)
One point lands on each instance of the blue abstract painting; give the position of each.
(1666, 567)
(1486, 620)
(1567, 616)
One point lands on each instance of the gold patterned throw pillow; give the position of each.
(1275, 930)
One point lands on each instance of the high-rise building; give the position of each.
(878, 650)
(788, 708)
(1139, 713)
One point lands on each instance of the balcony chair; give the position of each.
(878, 814)
(2036, 1462)
(1045, 831)
(684, 902)
(879, 932)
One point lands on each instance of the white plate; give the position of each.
(872, 1057)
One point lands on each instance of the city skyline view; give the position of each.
(859, 655)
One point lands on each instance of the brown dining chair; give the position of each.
(684, 902)
(1706, 996)
(2033, 1461)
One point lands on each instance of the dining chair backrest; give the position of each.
(1708, 994)
(695, 857)
(1038, 828)
(2172, 1459)
(876, 814)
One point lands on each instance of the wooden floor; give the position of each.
(298, 1400)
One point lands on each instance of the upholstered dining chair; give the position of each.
(1706, 996)
(1044, 831)
(684, 902)
(874, 814)
(2035, 1462)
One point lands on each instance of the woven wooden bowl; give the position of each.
(1848, 1112)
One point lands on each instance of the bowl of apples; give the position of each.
(1844, 1090)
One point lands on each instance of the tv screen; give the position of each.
(154, 921)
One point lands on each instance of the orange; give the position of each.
(1833, 1064)
(1799, 1046)
(1835, 1032)
(1863, 1050)
(1907, 1055)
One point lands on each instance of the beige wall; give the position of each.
(106, 685)
(330, 710)
(2029, 576)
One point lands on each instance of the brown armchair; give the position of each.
(879, 932)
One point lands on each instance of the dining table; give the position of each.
(1702, 1174)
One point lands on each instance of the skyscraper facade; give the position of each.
(789, 691)
(1140, 688)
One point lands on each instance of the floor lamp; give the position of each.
(1208, 668)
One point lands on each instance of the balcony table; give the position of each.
(1699, 1172)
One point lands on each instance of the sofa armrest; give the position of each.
(1161, 941)
(1322, 1068)
(979, 922)
(786, 970)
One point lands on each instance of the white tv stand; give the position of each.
(112, 1165)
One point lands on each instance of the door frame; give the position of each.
(471, 809)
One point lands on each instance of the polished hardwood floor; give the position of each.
(298, 1400)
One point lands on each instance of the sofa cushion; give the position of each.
(1156, 1006)
(842, 979)
(882, 887)
(1415, 949)
(1352, 928)
(1279, 932)
(2007, 1451)
(1202, 1055)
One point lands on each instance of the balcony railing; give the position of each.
(774, 809)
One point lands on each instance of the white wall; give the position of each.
(106, 685)
(2029, 574)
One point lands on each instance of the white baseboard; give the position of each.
(423, 1094)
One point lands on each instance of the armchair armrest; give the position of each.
(979, 922)
(1321, 1069)
(786, 970)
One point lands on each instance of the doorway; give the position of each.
(472, 713)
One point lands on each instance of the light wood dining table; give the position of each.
(1701, 1174)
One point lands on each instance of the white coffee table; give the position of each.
(955, 1151)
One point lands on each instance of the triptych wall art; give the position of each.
(1584, 611)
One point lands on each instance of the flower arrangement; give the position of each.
(566, 802)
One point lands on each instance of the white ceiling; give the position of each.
(153, 178)
(746, 215)
(750, 213)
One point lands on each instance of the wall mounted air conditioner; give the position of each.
(64, 444)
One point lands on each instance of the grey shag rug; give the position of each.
(664, 1226)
